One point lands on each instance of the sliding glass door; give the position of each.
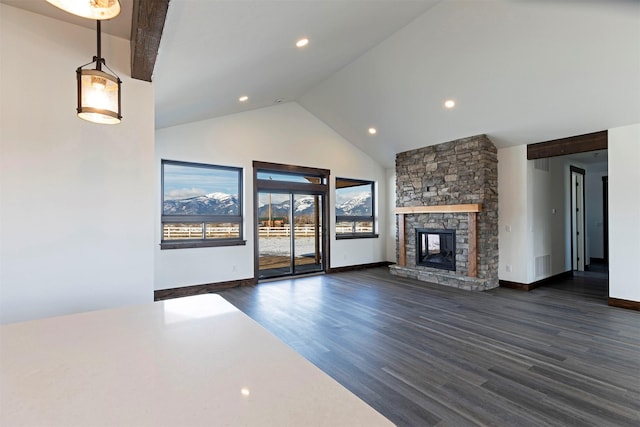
(307, 233)
(289, 234)
(290, 227)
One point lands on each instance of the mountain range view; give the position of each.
(209, 204)
(227, 204)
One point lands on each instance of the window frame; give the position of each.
(357, 218)
(202, 220)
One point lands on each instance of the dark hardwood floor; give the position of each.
(427, 355)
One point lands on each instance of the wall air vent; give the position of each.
(543, 266)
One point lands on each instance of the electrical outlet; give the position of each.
(509, 269)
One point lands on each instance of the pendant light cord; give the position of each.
(99, 59)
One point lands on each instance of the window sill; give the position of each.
(201, 244)
(356, 236)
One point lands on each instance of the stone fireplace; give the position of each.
(448, 190)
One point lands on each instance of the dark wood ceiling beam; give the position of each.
(572, 145)
(147, 24)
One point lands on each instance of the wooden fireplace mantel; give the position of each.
(471, 209)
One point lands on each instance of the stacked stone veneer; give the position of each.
(456, 172)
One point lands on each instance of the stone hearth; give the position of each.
(461, 172)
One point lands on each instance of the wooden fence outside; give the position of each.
(195, 232)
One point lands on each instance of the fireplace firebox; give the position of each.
(436, 248)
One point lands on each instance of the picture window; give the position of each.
(355, 202)
(201, 205)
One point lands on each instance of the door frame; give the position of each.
(292, 187)
(605, 217)
(576, 265)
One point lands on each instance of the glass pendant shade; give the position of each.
(92, 9)
(98, 96)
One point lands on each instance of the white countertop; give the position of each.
(191, 361)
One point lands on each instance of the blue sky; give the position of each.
(181, 182)
(288, 177)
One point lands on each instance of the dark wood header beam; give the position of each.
(572, 145)
(147, 24)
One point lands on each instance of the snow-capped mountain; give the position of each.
(359, 205)
(209, 204)
(301, 206)
(227, 204)
(278, 210)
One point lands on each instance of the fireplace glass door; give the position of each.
(436, 248)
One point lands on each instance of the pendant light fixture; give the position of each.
(98, 91)
(92, 9)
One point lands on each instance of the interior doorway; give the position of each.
(578, 218)
(290, 226)
(583, 234)
(605, 216)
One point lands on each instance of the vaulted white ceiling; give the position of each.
(212, 52)
(520, 71)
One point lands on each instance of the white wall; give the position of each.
(284, 133)
(624, 212)
(560, 222)
(76, 202)
(547, 213)
(531, 216)
(513, 233)
(392, 221)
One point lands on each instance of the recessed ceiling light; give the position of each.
(302, 42)
(243, 98)
(373, 131)
(449, 103)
